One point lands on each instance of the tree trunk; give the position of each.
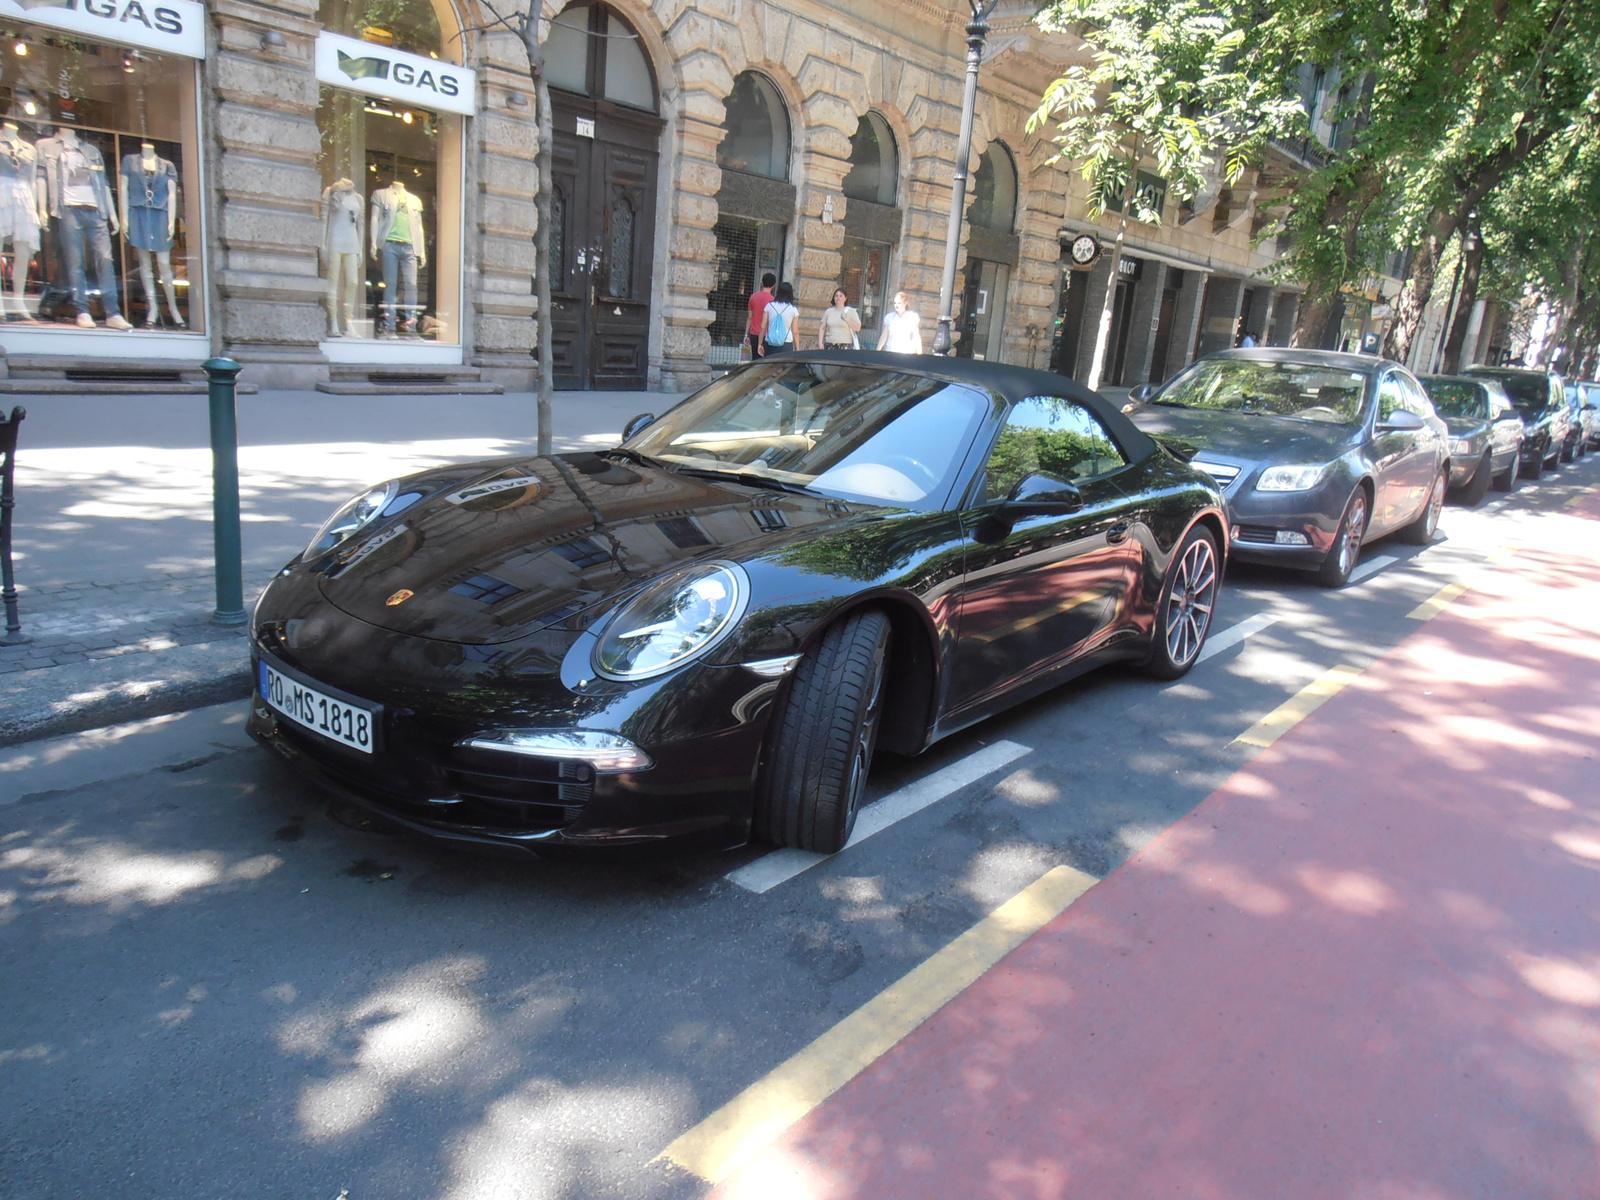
(1344, 209)
(541, 236)
(1414, 297)
(1466, 300)
(1103, 329)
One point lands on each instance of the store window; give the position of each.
(99, 182)
(390, 119)
(757, 124)
(994, 191)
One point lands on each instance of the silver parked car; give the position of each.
(1486, 433)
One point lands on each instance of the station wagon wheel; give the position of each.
(1187, 601)
(1420, 532)
(820, 743)
(1346, 548)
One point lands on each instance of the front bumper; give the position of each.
(1292, 529)
(702, 727)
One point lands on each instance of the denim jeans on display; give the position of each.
(87, 225)
(399, 264)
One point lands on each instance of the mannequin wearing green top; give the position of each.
(398, 242)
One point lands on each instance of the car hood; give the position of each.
(1247, 438)
(520, 545)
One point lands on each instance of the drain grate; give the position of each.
(123, 375)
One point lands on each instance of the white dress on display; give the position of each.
(342, 211)
(20, 217)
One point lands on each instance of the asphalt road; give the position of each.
(219, 986)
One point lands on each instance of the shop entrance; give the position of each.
(602, 244)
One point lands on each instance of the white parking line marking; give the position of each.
(1373, 567)
(768, 871)
(1234, 634)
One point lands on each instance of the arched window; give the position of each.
(874, 162)
(994, 191)
(593, 51)
(758, 129)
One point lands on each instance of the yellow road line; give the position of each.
(1438, 602)
(754, 1119)
(1299, 706)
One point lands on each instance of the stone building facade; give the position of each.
(354, 196)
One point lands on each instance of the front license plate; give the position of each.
(340, 721)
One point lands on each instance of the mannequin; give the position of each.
(341, 246)
(79, 200)
(399, 243)
(22, 211)
(147, 191)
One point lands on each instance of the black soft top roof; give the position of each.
(1014, 384)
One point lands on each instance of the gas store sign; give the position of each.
(407, 79)
(171, 26)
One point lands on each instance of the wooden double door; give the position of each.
(602, 242)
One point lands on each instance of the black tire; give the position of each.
(1188, 600)
(1506, 481)
(1568, 451)
(1534, 470)
(1473, 490)
(1346, 549)
(1420, 532)
(814, 772)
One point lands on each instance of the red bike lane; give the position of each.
(1366, 967)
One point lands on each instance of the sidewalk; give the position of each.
(113, 527)
(1366, 967)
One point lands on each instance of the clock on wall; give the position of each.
(1085, 249)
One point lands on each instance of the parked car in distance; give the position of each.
(1317, 452)
(1541, 399)
(1485, 433)
(708, 630)
(1580, 404)
(1591, 395)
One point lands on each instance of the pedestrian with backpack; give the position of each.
(780, 322)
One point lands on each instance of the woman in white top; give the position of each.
(901, 333)
(840, 324)
(780, 321)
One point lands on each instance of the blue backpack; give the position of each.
(777, 326)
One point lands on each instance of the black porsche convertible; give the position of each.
(704, 633)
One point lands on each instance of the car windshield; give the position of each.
(1457, 398)
(1531, 393)
(856, 432)
(1303, 391)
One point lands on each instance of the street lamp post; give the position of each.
(977, 33)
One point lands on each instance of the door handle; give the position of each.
(1118, 532)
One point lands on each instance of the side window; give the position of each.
(1049, 435)
(1391, 396)
(1417, 399)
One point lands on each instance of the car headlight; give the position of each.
(1460, 446)
(1291, 479)
(672, 621)
(352, 518)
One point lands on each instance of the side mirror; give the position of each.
(1401, 420)
(1039, 495)
(637, 424)
(1590, 408)
(1143, 392)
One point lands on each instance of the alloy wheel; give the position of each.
(1355, 526)
(1436, 505)
(1189, 603)
(866, 739)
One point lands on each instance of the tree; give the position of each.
(1174, 83)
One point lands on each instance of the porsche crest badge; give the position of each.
(399, 597)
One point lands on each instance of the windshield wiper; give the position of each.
(755, 478)
(644, 460)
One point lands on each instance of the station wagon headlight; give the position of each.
(352, 517)
(672, 621)
(1460, 446)
(1291, 479)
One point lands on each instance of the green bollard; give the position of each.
(221, 374)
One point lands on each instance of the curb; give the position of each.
(70, 699)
